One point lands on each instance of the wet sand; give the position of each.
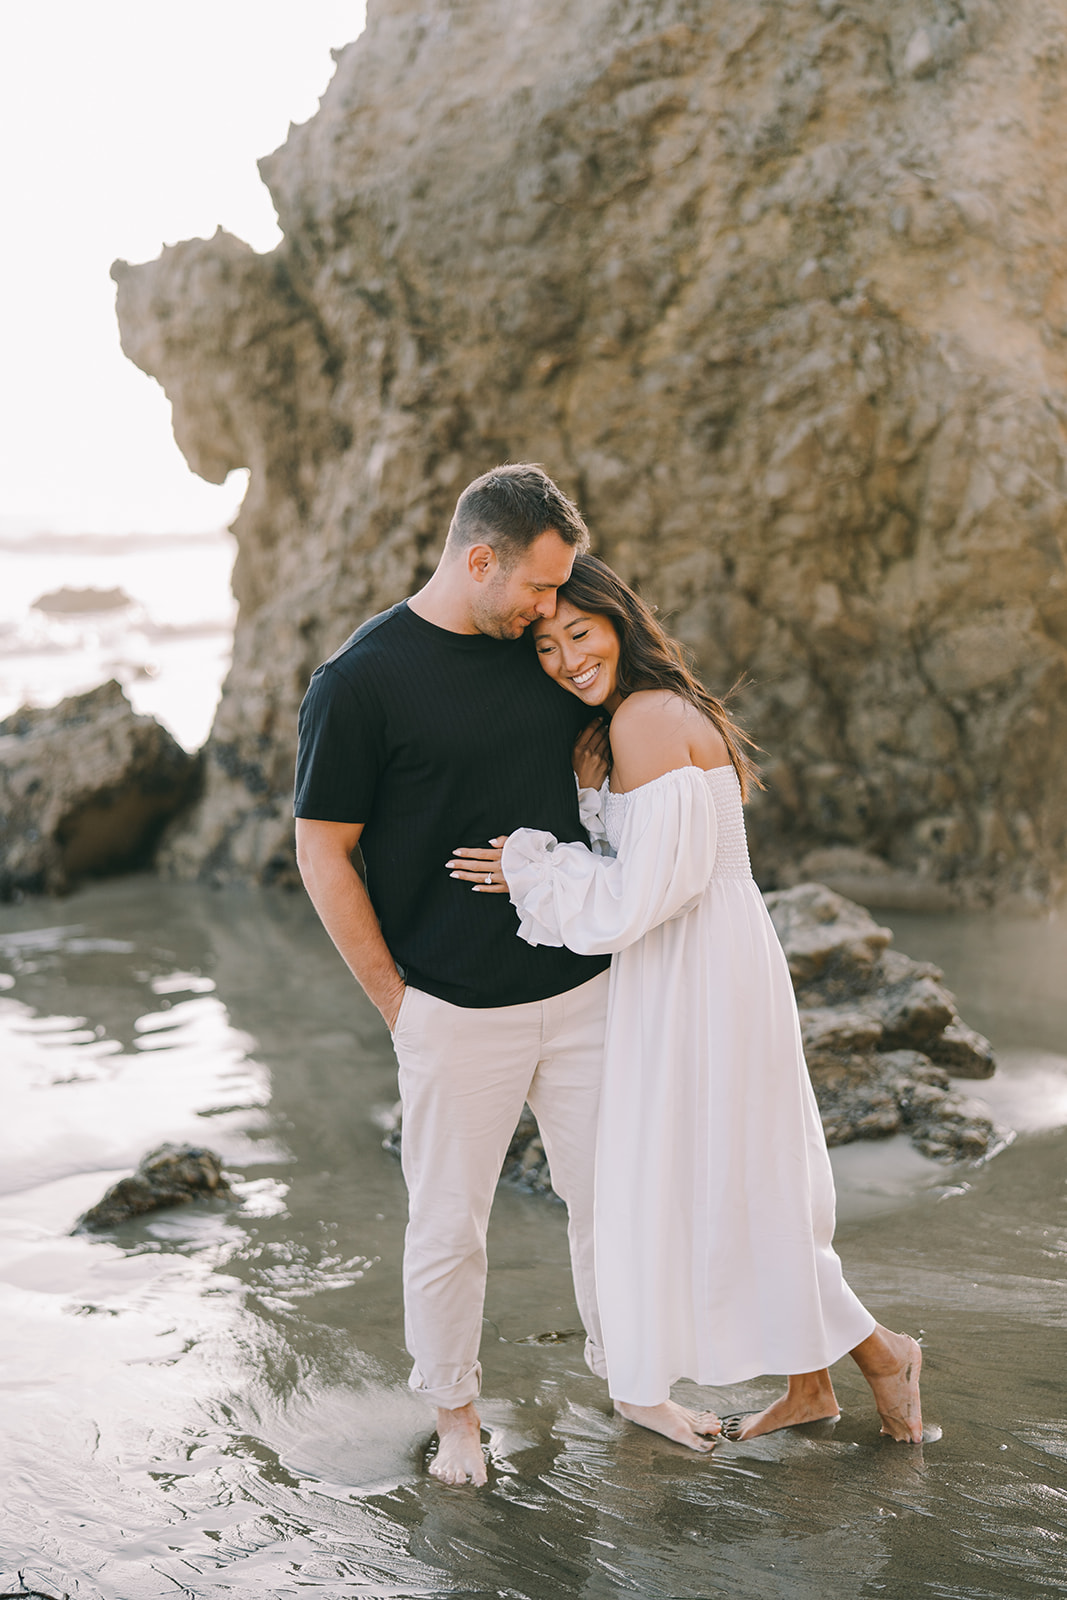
(214, 1401)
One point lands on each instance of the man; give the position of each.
(433, 727)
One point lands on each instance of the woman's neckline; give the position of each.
(705, 772)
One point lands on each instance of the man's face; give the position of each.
(505, 604)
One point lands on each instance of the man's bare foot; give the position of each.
(697, 1430)
(809, 1398)
(459, 1447)
(891, 1363)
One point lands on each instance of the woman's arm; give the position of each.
(652, 733)
(592, 762)
(595, 905)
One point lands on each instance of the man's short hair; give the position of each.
(511, 506)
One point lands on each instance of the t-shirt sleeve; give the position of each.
(340, 751)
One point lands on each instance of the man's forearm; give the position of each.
(338, 894)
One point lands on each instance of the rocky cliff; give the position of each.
(776, 288)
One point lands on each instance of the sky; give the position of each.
(125, 125)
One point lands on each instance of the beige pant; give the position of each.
(464, 1075)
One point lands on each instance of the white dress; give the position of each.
(714, 1194)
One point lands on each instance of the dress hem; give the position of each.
(750, 1372)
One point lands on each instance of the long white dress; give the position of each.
(714, 1194)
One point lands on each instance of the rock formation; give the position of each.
(85, 788)
(882, 1038)
(76, 602)
(170, 1176)
(882, 1035)
(776, 288)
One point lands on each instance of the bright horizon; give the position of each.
(128, 127)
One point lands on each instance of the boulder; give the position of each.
(776, 291)
(85, 789)
(525, 1163)
(170, 1176)
(827, 939)
(881, 1032)
(75, 602)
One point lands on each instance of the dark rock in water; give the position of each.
(881, 1035)
(170, 1176)
(76, 602)
(963, 1052)
(85, 790)
(881, 1032)
(525, 1164)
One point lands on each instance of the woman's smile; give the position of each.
(581, 651)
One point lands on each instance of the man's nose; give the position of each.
(546, 606)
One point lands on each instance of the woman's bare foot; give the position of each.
(697, 1430)
(809, 1398)
(459, 1447)
(891, 1363)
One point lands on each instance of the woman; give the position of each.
(714, 1195)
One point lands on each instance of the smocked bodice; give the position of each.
(731, 852)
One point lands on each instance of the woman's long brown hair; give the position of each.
(649, 658)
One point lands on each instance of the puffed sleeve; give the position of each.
(566, 895)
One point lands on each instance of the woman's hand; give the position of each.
(481, 868)
(592, 755)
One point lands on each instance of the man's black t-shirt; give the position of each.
(435, 739)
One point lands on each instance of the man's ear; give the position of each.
(481, 562)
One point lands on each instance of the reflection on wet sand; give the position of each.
(216, 1396)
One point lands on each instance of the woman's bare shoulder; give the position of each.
(655, 731)
(661, 711)
(646, 706)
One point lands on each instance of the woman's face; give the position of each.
(580, 649)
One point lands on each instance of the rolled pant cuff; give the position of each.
(449, 1396)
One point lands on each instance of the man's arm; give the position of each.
(324, 856)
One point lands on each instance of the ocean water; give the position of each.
(213, 1400)
(154, 611)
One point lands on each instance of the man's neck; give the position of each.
(441, 602)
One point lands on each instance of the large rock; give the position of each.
(881, 1032)
(85, 788)
(776, 289)
(172, 1175)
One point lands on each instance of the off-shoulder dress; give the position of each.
(714, 1196)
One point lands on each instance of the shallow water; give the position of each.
(214, 1401)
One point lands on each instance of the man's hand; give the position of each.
(481, 868)
(592, 755)
(390, 1009)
